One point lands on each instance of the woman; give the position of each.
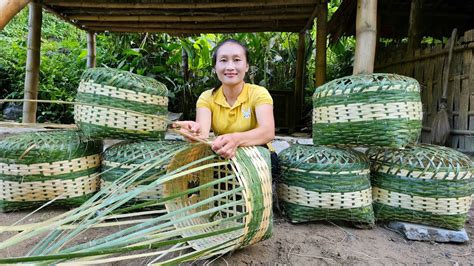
(239, 113)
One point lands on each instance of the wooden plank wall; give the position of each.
(427, 65)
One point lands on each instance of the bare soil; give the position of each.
(306, 244)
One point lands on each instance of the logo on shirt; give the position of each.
(246, 113)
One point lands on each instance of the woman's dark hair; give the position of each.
(216, 49)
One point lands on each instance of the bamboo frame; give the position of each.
(414, 37)
(196, 31)
(9, 9)
(321, 40)
(125, 5)
(298, 95)
(165, 18)
(366, 37)
(32, 62)
(91, 49)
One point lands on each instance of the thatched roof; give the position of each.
(186, 16)
(438, 18)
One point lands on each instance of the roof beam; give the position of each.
(221, 18)
(193, 31)
(183, 4)
(255, 24)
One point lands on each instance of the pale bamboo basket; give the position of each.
(323, 183)
(248, 193)
(424, 184)
(113, 103)
(41, 166)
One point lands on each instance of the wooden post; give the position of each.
(366, 35)
(414, 36)
(298, 93)
(9, 8)
(321, 42)
(184, 61)
(91, 49)
(32, 62)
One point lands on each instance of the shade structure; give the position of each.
(323, 183)
(42, 166)
(424, 184)
(367, 110)
(118, 104)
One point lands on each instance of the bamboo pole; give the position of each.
(414, 37)
(366, 33)
(321, 42)
(184, 61)
(32, 62)
(8, 9)
(298, 95)
(91, 49)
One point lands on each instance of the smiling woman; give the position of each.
(240, 114)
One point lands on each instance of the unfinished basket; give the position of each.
(42, 166)
(423, 184)
(240, 189)
(133, 157)
(322, 183)
(120, 104)
(367, 110)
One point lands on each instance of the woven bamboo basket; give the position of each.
(41, 166)
(243, 185)
(367, 110)
(131, 157)
(424, 184)
(322, 183)
(120, 104)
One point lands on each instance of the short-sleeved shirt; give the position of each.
(241, 116)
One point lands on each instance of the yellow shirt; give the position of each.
(241, 116)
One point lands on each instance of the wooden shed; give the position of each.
(184, 17)
(406, 22)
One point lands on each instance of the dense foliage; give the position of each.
(63, 59)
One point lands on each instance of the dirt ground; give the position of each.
(316, 243)
(310, 244)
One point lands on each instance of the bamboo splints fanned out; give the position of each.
(213, 206)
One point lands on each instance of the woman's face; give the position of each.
(231, 64)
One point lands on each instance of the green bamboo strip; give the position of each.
(377, 97)
(100, 100)
(298, 213)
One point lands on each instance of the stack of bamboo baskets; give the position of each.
(416, 183)
(215, 205)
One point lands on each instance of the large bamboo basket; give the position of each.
(42, 166)
(322, 183)
(423, 184)
(131, 157)
(367, 110)
(247, 193)
(213, 206)
(120, 104)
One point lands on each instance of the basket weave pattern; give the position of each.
(322, 183)
(367, 110)
(422, 184)
(123, 157)
(119, 104)
(38, 167)
(246, 191)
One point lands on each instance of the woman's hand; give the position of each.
(226, 145)
(188, 127)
